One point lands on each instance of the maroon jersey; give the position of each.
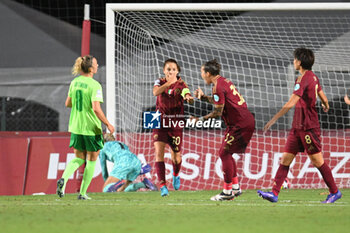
(305, 115)
(235, 111)
(171, 103)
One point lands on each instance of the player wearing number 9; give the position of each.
(240, 122)
(84, 98)
(305, 132)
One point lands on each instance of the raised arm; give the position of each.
(200, 95)
(186, 94)
(157, 89)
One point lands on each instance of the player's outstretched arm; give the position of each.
(199, 94)
(208, 99)
(290, 104)
(189, 98)
(186, 94)
(347, 100)
(324, 101)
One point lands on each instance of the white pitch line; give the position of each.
(93, 203)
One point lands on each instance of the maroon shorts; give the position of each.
(300, 140)
(173, 137)
(236, 139)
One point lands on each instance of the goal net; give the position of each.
(255, 48)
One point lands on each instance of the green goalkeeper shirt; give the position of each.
(83, 91)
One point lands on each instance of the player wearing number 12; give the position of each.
(84, 97)
(240, 122)
(305, 132)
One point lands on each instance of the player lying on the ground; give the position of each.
(127, 167)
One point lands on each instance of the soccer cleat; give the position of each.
(223, 197)
(145, 169)
(236, 192)
(115, 186)
(332, 197)
(270, 196)
(59, 190)
(164, 191)
(149, 185)
(176, 182)
(83, 197)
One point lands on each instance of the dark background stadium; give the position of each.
(24, 114)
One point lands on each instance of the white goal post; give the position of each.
(254, 44)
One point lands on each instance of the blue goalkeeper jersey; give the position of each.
(119, 154)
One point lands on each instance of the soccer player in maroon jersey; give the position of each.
(171, 91)
(240, 122)
(305, 132)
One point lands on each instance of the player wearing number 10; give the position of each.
(305, 132)
(84, 97)
(240, 122)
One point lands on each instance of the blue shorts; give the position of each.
(127, 167)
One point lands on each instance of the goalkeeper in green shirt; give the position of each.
(84, 98)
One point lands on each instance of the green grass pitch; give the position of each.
(297, 211)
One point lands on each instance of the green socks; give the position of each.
(72, 166)
(134, 187)
(87, 177)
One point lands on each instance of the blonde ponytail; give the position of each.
(77, 66)
(82, 65)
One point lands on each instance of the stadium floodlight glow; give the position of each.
(254, 44)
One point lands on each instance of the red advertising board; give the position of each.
(13, 156)
(201, 167)
(48, 156)
(47, 161)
